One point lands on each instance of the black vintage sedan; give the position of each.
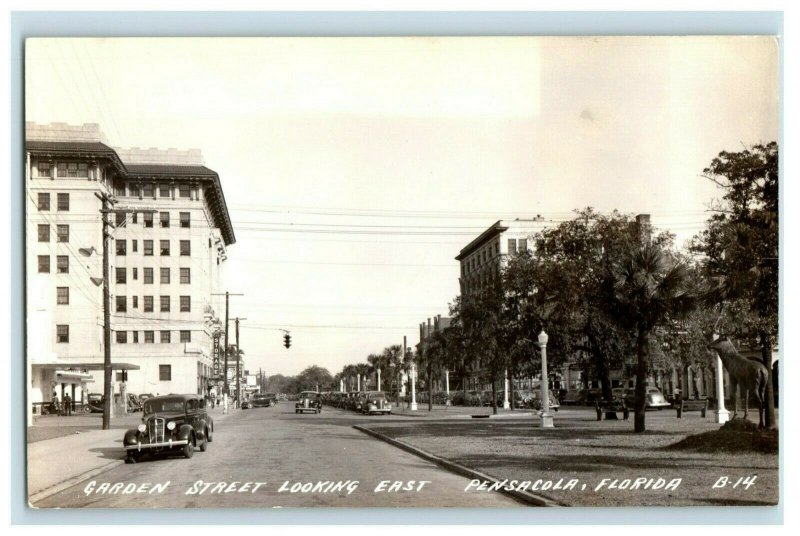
(308, 401)
(263, 400)
(170, 424)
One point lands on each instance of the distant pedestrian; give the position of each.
(54, 409)
(67, 405)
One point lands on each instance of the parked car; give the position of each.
(170, 424)
(654, 398)
(535, 401)
(308, 401)
(94, 403)
(247, 403)
(359, 401)
(144, 397)
(375, 402)
(263, 400)
(575, 397)
(133, 403)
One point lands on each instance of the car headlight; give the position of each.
(171, 425)
(141, 428)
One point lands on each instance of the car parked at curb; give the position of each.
(375, 403)
(172, 424)
(263, 400)
(308, 401)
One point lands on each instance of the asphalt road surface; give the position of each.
(272, 449)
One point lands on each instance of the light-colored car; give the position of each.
(375, 402)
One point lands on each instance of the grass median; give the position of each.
(598, 453)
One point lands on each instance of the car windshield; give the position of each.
(309, 395)
(377, 396)
(163, 405)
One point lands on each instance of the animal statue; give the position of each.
(745, 373)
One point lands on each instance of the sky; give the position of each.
(355, 169)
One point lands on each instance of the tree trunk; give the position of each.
(511, 389)
(494, 395)
(766, 359)
(642, 353)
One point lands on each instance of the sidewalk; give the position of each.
(441, 411)
(90, 450)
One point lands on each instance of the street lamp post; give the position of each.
(545, 416)
(721, 416)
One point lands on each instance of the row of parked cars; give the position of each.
(364, 402)
(94, 402)
(655, 399)
(522, 399)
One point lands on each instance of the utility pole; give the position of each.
(238, 360)
(227, 295)
(107, 396)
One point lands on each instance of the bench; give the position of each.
(700, 405)
(605, 407)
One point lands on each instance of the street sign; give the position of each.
(217, 370)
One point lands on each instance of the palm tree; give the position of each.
(375, 361)
(431, 358)
(391, 357)
(645, 289)
(347, 373)
(361, 370)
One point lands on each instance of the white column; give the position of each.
(721, 416)
(447, 382)
(413, 386)
(546, 417)
(379, 379)
(358, 382)
(341, 385)
(506, 405)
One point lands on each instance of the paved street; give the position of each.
(275, 446)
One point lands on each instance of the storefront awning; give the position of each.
(72, 375)
(78, 367)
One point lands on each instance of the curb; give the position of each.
(61, 486)
(524, 497)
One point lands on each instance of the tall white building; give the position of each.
(169, 241)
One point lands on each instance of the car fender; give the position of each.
(131, 437)
(185, 432)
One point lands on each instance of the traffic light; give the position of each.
(287, 340)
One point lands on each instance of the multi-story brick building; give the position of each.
(170, 234)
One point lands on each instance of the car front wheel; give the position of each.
(204, 444)
(188, 449)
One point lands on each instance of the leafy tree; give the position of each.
(375, 364)
(646, 288)
(313, 377)
(392, 359)
(740, 248)
(361, 370)
(431, 357)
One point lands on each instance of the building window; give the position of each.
(62, 333)
(523, 245)
(135, 274)
(186, 248)
(62, 233)
(165, 276)
(186, 304)
(164, 217)
(122, 247)
(186, 276)
(73, 169)
(119, 189)
(135, 336)
(43, 201)
(122, 303)
(62, 264)
(148, 219)
(148, 190)
(148, 304)
(120, 219)
(44, 264)
(164, 304)
(164, 248)
(149, 337)
(164, 190)
(148, 248)
(148, 276)
(134, 189)
(44, 233)
(186, 335)
(135, 302)
(185, 222)
(122, 337)
(62, 295)
(43, 169)
(134, 246)
(165, 337)
(184, 190)
(135, 217)
(512, 246)
(165, 373)
(63, 202)
(122, 276)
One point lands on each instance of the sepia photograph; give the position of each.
(402, 272)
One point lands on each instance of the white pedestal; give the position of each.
(225, 404)
(546, 420)
(721, 416)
